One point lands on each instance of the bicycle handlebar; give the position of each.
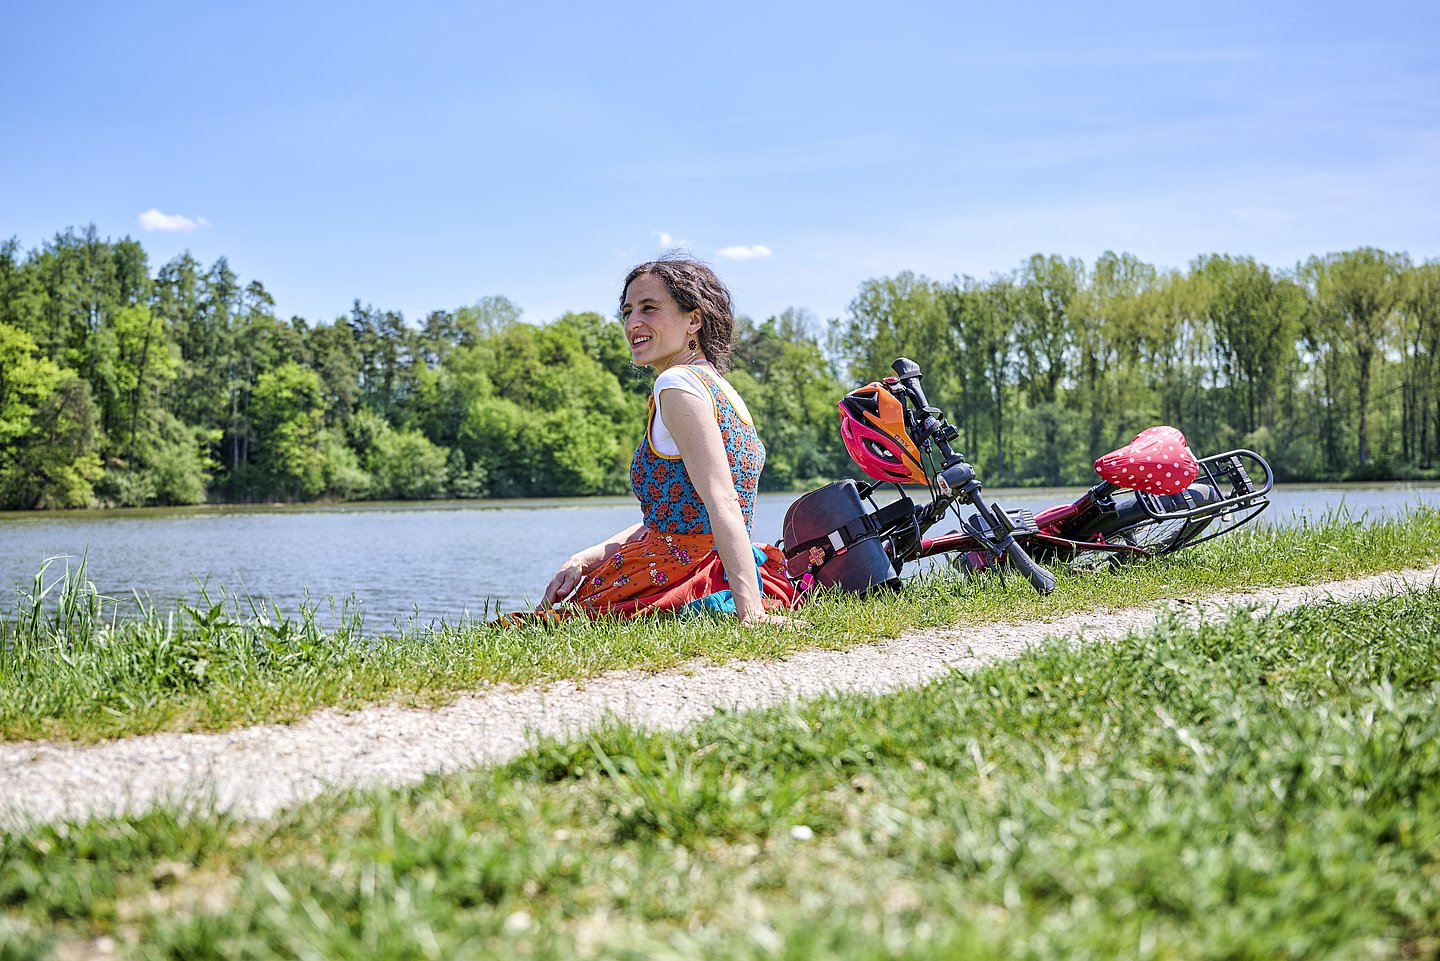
(908, 375)
(1040, 579)
(932, 427)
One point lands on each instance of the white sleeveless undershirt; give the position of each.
(687, 380)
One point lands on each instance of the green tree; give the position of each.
(792, 393)
(486, 317)
(267, 343)
(900, 316)
(1110, 382)
(144, 363)
(155, 456)
(171, 463)
(1354, 298)
(201, 310)
(1045, 338)
(544, 383)
(21, 297)
(63, 463)
(49, 431)
(604, 340)
(25, 379)
(287, 411)
(497, 434)
(401, 464)
(1255, 318)
(444, 394)
(335, 356)
(1418, 312)
(389, 354)
(982, 318)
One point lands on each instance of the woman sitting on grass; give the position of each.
(695, 472)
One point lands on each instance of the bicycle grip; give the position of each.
(1040, 579)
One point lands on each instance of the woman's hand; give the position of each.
(767, 619)
(572, 573)
(563, 584)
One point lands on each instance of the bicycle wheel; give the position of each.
(1153, 537)
(1132, 526)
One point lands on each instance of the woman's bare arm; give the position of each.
(581, 563)
(691, 421)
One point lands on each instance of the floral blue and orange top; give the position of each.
(668, 498)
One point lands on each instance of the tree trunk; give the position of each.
(1363, 390)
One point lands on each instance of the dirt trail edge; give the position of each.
(259, 770)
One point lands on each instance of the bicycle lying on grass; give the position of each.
(1154, 497)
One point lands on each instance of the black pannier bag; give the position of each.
(829, 534)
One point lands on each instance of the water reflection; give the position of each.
(426, 561)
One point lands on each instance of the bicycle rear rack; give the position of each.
(1231, 476)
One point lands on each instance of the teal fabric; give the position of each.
(723, 602)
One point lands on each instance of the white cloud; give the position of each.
(744, 253)
(153, 219)
(669, 241)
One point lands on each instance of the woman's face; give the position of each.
(657, 330)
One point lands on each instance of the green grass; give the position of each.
(1259, 788)
(70, 667)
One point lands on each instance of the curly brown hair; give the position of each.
(694, 286)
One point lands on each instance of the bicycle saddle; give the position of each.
(1157, 461)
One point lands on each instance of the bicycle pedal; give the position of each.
(1022, 521)
(1019, 521)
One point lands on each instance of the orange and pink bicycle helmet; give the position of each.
(872, 423)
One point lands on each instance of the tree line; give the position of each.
(1331, 370)
(119, 386)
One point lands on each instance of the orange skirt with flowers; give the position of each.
(670, 572)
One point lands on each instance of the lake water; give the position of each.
(424, 561)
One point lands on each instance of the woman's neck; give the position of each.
(695, 362)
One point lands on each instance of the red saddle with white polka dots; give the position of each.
(1157, 461)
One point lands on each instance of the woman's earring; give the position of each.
(692, 345)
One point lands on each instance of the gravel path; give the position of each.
(259, 770)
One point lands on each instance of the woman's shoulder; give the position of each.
(683, 378)
(698, 381)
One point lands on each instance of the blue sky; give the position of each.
(420, 156)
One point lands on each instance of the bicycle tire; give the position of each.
(1131, 525)
(1153, 536)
